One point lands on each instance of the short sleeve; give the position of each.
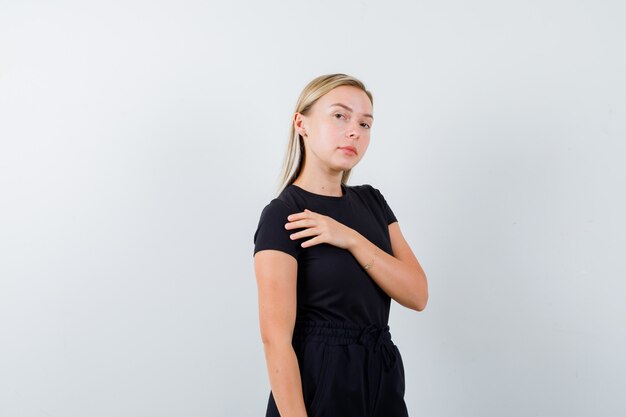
(271, 232)
(389, 215)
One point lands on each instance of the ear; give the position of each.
(298, 124)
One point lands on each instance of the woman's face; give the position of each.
(340, 119)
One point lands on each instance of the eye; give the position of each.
(365, 125)
(338, 114)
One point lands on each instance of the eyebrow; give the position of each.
(349, 109)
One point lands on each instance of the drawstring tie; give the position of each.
(377, 337)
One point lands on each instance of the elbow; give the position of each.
(421, 298)
(275, 341)
(269, 340)
(419, 304)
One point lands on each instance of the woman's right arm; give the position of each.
(276, 275)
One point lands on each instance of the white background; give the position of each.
(139, 141)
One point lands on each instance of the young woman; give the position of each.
(328, 259)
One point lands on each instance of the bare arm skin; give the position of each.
(276, 275)
(400, 276)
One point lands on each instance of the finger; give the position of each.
(307, 212)
(296, 216)
(304, 233)
(310, 242)
(296, 224)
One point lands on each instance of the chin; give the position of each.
(347, 167)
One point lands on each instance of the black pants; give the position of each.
(347, 371)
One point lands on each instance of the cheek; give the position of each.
(331, 135)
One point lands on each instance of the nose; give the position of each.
(353, 130)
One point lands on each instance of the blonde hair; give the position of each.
(295, 152)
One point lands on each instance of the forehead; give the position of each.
(353, 97)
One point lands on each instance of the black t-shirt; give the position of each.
(332, 285)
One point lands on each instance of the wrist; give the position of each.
(353, 240)
(369, 264)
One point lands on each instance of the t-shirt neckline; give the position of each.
(344, 189)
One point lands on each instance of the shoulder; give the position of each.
(271, 232)
(374, 198)
(367, 190)
(276, 208)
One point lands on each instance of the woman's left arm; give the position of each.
(401, 276)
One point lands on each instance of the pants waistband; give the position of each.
(373, 336)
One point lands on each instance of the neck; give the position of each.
(324, 185)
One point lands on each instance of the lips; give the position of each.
(349, 148)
